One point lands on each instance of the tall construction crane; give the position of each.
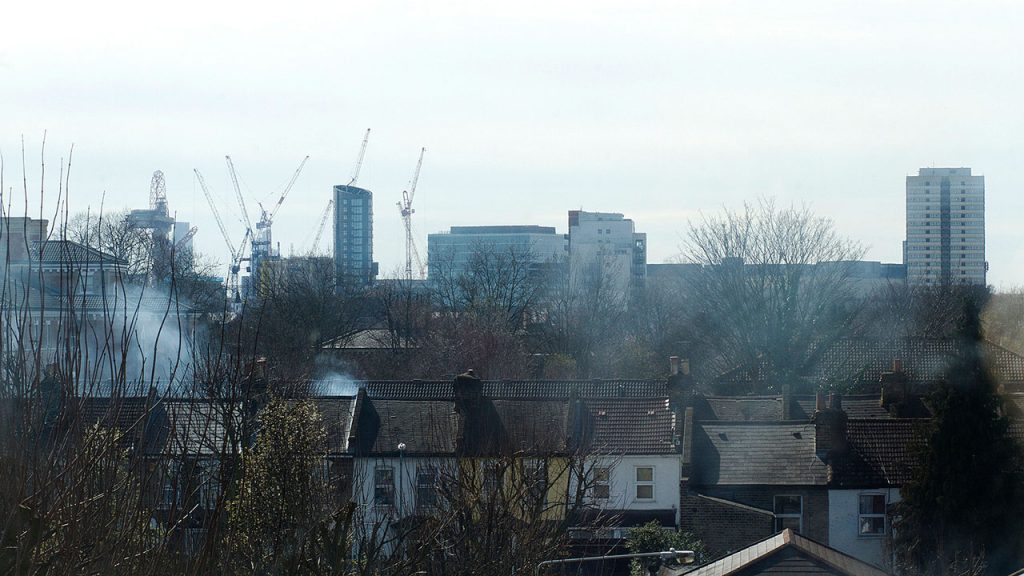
(320, 227)
(236, 255)
(180, 242)
(359, 159)
(261, 240)
(246, 222)
(405, 207)
(330, 203)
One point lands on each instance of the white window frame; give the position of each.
(536, 476)
(423, 471)
(637, 483)
(778, 516)
(598, 482)
(861, 516)
(378, 485)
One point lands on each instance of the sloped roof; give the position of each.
(426, 427)
(337, 413)
(861, 362)
(631, 426)
(65, 252)
(605, 416)
(510, 389)
(742, 453)
(880, 453)
(924, 361)
(739, 408)
(782, 553)
(198, 427)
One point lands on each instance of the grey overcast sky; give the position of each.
(659, 110)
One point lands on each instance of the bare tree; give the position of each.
(774, 287)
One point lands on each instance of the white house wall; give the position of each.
(622, 482)
(843, 529)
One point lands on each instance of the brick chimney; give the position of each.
(21, 233)
(469, 391)
(893, 386)
(680, 383)
(829, 427)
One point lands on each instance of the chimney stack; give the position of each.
(468, 390)
(829, 427)
(893, 387)
(673, 365)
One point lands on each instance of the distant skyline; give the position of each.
(657, 110)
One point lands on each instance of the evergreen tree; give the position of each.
(961, 512)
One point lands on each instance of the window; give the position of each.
(384, 486)
(492, 480)
(871, 517)
(645, 483)
(601, 488)
(789, 512)
(537, 482)
(426, 487)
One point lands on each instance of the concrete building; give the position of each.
(353, 236)
(450, 252)
(605, 246)
(945, 227)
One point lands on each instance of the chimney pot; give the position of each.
(835, 401)
(673, 364)
(686, 367)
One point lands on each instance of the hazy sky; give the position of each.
(527, 109)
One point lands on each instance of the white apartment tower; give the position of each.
(606, 249)
(945, 227)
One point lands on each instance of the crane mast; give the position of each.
(236, 255)
(406, 209)
(246, 222)
(320, 227)
(359, 159)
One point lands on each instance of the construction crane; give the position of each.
(246, 222)
(320, 227)
(330, 203)
(359, 159)
(261, 240)
(236, 255)
(405, 207)
(188, 236)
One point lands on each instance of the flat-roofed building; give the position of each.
(452, 252)
(945, 227)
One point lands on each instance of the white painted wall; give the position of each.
(622, 490)
(843, 532)
(405, 484)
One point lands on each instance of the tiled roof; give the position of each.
(198, 427)
(863, 406)
(66, 252)
(862, 362)
(880, 453)
(424, 426)
(518, 426)
(924, 361)
(748, 560)
(769, 408)
(739, 453)
(553, 424)
(337, 413)
(631, 426)
(739, 408)
(510, 389)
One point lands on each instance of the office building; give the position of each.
(451, 252)
(353, 236)
(945, 227)
(605, 247)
